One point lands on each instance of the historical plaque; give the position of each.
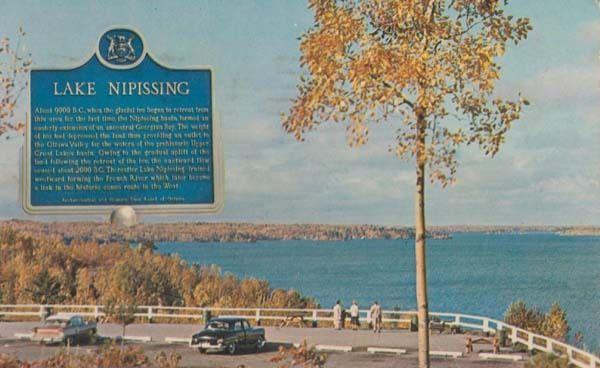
(122, 130)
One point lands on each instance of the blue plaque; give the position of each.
(122, 130)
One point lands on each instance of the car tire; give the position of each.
(69, 341)
(260, 343)
(202, 351)
(231, 348)
(93, 337)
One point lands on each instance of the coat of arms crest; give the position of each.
(120, 49)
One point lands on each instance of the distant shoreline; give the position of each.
(521, 229)
(249, 232)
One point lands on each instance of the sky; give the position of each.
(547, 172)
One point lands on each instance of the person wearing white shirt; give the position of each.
(376, 317)
(354, 311)
(337, 315)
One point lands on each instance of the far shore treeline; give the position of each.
(252, 232)
(208, 232)
(43, 269)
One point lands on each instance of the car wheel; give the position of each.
(231, 348)
(201, 351)
(93, 337)
(260, 343)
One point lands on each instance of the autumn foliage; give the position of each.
(35, 269)
(15, 64)
(108, 356)
(427, 67)
(552, 324)
(302, 356)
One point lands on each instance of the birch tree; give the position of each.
(429, 68)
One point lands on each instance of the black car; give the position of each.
(228, 334)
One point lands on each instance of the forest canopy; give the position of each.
(43, 269)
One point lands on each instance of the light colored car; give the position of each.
(65, 328)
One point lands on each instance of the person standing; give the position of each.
(354, 311)
(376, 316)
(337, 315)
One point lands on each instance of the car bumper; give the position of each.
(48, 340)
(207, 346)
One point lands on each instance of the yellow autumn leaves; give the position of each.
(371, 61)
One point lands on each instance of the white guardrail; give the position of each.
(533, 341)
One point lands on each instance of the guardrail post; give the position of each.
(257, 316)
(486, 325)
(150, 313)
(457, 320)
(206, 315)
(43, 313)
(549, 345)
(314, 319)
(529, 340)
(96, 312)
(513, 335)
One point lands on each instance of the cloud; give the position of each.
(565, 84)
(9, 180)
(578, 188)
(589, 33)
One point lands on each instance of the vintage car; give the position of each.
(228, 334)
(65, 329)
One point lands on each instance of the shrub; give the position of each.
(105, 357)
(553, 324)
(545, 360)
(520, 316)
(301, 356)
(164, 360)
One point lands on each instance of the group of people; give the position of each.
(374, 316)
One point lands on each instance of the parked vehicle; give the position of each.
(228, 334)
(65, 329)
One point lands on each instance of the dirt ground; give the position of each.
(191, 358)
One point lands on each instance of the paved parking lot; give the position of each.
(359, 340)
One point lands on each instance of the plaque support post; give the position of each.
(124, 217)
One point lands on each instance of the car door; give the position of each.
(240, 333)
(71, 328)
(251, 337)
(77, 327)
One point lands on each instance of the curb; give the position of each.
(446, 354)
(377, 350)
(177, 340)
(489, 356)
(137, 338)
(334, 348)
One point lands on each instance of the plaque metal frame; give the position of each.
(217, 154)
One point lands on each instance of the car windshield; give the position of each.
(55, 323)
(217, 325)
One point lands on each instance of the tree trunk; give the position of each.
(420, 261)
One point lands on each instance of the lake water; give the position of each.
(471, 273)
